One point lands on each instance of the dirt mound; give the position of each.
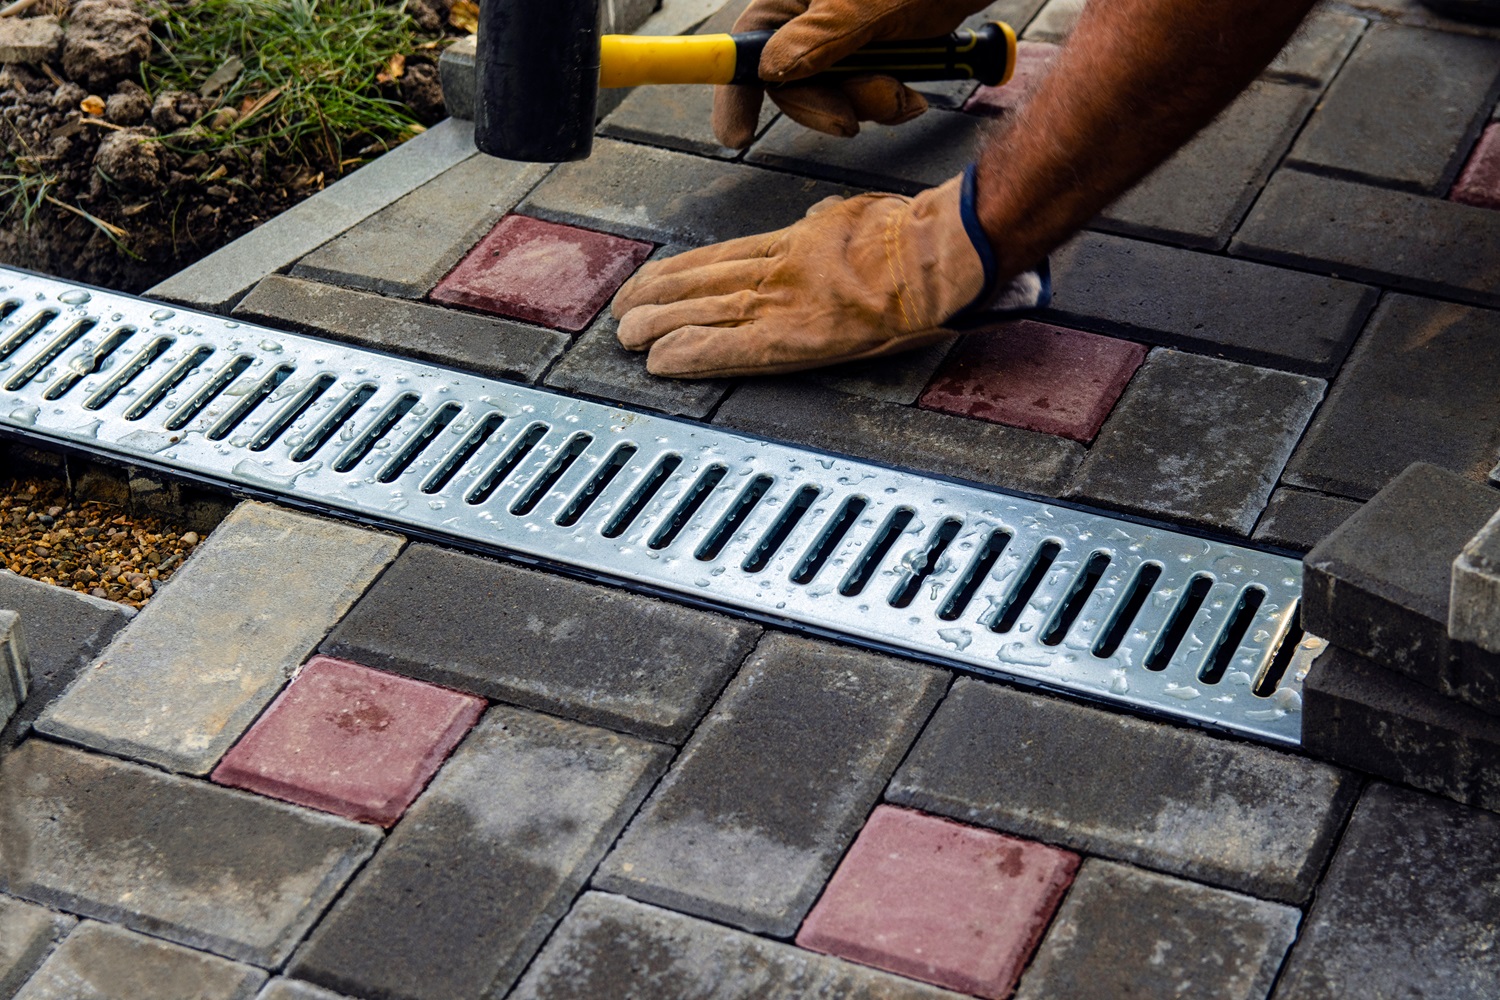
(105, 41)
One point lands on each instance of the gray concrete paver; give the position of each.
(906, 158)
(104, 962)
(28, 933)
(1300, 519)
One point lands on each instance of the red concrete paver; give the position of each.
(542, 272)
(949, 904)
(1035, 376)
(350, 740)
(1479, 183)
(1033, 59)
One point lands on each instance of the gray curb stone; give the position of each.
(179, 685)
(760, 805)
(499, 348)
(1232, 814)
(28, 933)
(610, 946)
(204, 866)
(475, 876)
(1099, 947)
(103, 962)
(15, 670)
(218, 280)
(1298, 519)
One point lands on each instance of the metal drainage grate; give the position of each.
(1159, 620)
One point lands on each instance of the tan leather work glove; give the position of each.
(813, 35)
(857, 278)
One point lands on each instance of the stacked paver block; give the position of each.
(1398, 695)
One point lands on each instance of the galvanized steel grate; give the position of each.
(1151, 618)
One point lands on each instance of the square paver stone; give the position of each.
(104, 962)
(1035, 376)
(1479, 184)
(556, 275)
(939, 901)
(350, 740)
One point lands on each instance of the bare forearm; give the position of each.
(1136, 80)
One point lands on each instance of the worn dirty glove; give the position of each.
(857, 278)
(812, 35)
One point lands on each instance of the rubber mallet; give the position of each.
(540, 65)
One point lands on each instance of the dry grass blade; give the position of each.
(464, 16)
(107, 227)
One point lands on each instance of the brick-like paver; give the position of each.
(185, 860)
(473, 879)
(671, 197)
(1033, 60)
(1037, 377)
(406, 247)
(977, 450)
(615, 947)
(184, 679)
(1408, 907)
(103, 962)
(350, 740)
(1318, 49)
(1416, 389)
(1300, 519)
(1235, 309)
(954, 905)
(28, 933)
(673, 116)
(758, 808)
(1362, 715)
(542, 272)
(1177, 800)
(488, 345)
(1124, 932)
(906, 158)
(1407, 241)
(1444, 83)
(1479, 183)
(1198, 440)
(575, 649)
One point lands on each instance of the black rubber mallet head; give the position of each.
(540, 66)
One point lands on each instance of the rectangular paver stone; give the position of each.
(671, 197)
(906, 158)
(488, 345)
(1198, 440)
(1444, 85)
(1479, 184)
(1198, 197)
(473, 879)
(675, 117)
(28, 933)
(407, 246)
(1300, 519)
(804, 413)
(615, 947)
(1408, 908)
(195, 668)
(576, 649)
(1232, 814)
(1235, 309)
(1417, 388)
(1124, 932)
(1361, 715)
(207, 867)
(217, 280)
(103, 962)
(760, 805)
(1394, 238)
(1318, 49)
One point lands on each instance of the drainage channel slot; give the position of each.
(1016, 587)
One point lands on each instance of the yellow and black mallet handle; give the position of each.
(539, 65)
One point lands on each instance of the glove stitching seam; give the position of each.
(893, 265)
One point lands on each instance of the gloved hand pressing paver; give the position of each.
(812, 35)
(856, 278)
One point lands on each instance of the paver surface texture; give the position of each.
(330, 762)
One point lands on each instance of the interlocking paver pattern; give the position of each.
(180, 684)
(104, 962)
(611, 946)
(674, 117)
(207, 867)
(1408, 905)
(1037, 377)
(1479, 184)
(757, 809)
(954, 905)
(576, 649)
(472, 880)
(1124, 932)
(528, 269)
(906, 158)
(1231, 814)
(28, 933)
(350, 740)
